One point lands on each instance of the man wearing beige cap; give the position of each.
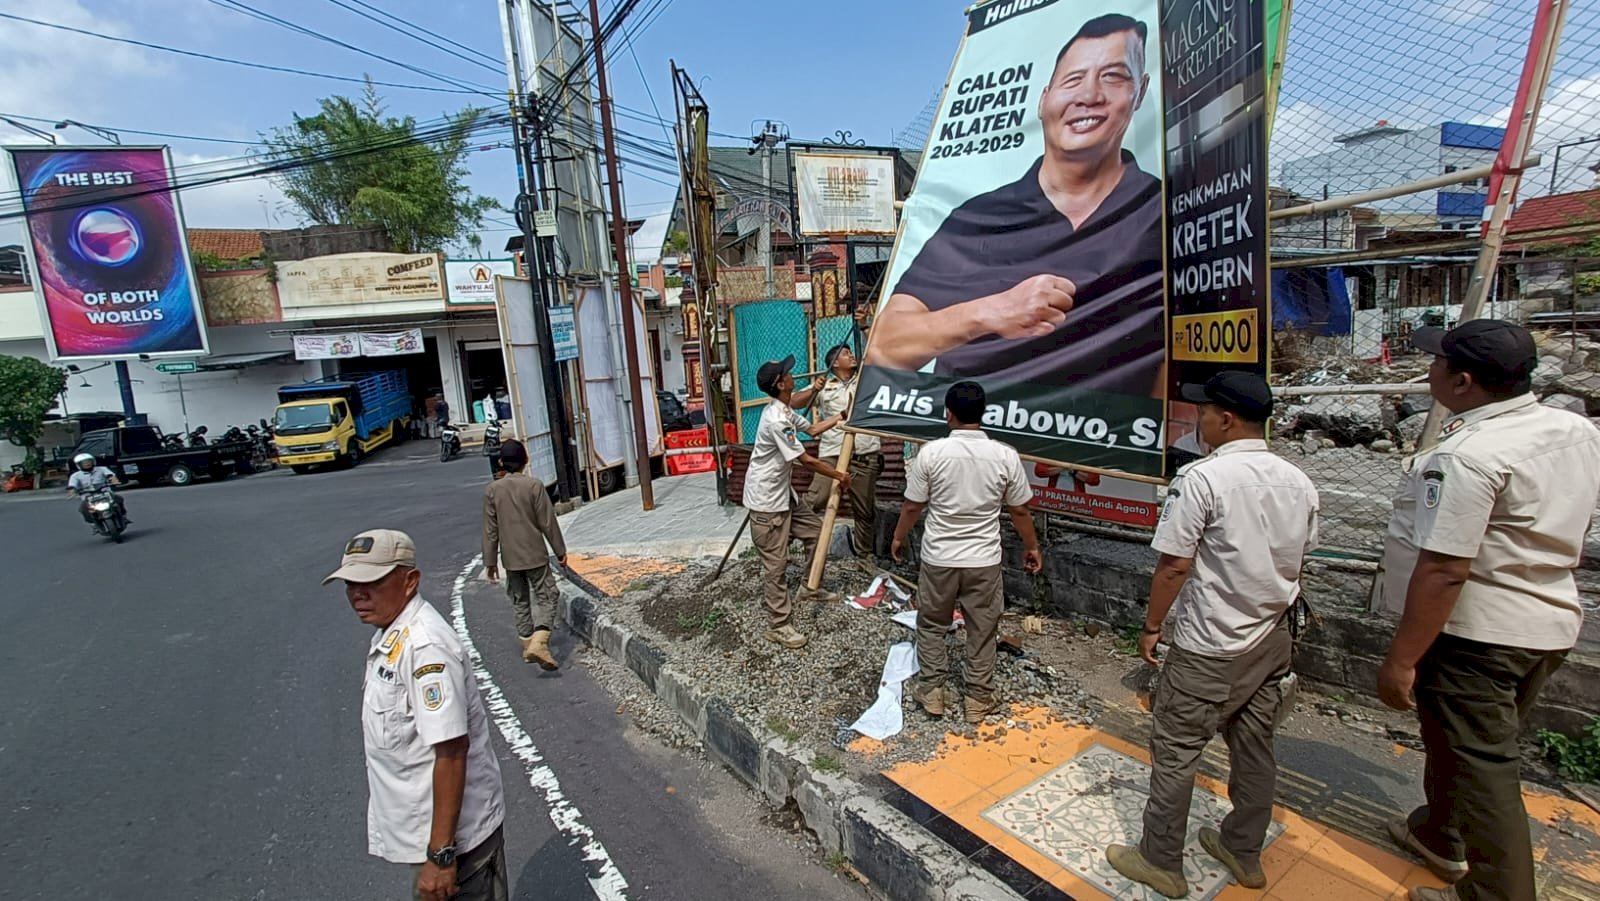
(435, 801)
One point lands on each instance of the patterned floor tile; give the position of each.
(1097, 799)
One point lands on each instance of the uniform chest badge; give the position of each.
(398, 645)
(388, 641)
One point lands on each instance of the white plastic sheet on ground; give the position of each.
(883, 588)
(884, 718)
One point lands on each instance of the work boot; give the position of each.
(1424, 893)
(788, 637)
(1443, 867)
(817, 595)
(1249, 877)
(932, 701)
(536, 649)
(1131, 863)
(977, 709)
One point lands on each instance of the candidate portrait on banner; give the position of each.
(1030, 252)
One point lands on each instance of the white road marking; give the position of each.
(609, 884)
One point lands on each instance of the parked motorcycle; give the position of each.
(263, 454)
(197, 438)
(491, 444)
(109, 519)
(449, 442)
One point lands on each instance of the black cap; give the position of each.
(770, 373)
(1243, 393)
(1501, 350)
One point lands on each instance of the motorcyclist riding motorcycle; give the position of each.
(88, 479)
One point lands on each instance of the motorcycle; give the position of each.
(262, 452)
(109, 519)
(449, 442)
(197, 438)
(491, 444)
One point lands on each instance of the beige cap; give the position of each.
(374, 554)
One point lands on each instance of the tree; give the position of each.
(415, 188)
(28, 389)
(677, 243)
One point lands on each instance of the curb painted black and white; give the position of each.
(896, 856)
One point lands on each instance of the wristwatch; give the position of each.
(444, 857)
(1150, 631)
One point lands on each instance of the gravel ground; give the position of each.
(716, 635)
(635, 701)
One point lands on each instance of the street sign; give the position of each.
(563, 333)
(544, 224)
(177, 367)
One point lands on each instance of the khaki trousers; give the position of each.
(980, 594)
(1472, 700)
(1198, 697)
(771, 534)
(534, 597)
(864, 472)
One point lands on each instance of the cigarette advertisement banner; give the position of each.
(472, 281)
(106, 239)
(842, 194)
(1029, 257)
(1214, 73)
(358, 278)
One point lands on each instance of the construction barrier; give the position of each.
(690, 450)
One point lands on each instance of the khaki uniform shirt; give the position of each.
(767, 488)
(518, 519)
(419, 690)
(965, 479)
(832, 399)
(1513, 486)
(1247, 518)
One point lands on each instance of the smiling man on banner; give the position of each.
(1057, 277)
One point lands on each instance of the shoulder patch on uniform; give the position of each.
(431, 668)
(433, 695)
(1432, 487)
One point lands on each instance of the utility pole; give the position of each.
(767, 143)
(619, 246)
(523, 108)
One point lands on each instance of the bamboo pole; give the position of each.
(825, 537)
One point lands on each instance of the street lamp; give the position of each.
(106, 133)
(1556, 166)
(36, 132)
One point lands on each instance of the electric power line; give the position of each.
(423, 39)
(229, 60)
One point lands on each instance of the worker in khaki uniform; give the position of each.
(776, 514)
(518, 521)
(1234, 534)
(1488, 527)
(833, 398)
(963, 481)
(436, 801)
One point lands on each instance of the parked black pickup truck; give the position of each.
(136, 454)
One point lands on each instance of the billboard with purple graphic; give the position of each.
(106, 240)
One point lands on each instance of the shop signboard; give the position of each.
(1068, 291)
(107, 241)
(360, 278)
(472, 281)
(327, 347)
(842, 194)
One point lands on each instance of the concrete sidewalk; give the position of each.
(687, 522)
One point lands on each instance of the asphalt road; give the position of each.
(181, 713)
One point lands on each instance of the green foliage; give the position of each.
(677, 244)
(1588, 283)
(706, 622)
(827, 763)
(781, 728)
(1575, 757)
(415, 188)
(28, 389)
(206, 261)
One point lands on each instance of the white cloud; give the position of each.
(1571, 112)
(647, 241)
(1302, 129)
(247, 203)
(1463, 12)
(46, 72)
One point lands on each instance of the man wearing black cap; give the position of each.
(776, 514)
(1234, 532)
(1488, 527)
(833, 398)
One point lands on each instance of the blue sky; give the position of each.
(825, 65)
(753, 61)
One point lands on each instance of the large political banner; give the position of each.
(1030, 253)
(1214, 70)
(107, 245)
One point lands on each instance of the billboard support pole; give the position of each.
(619, 246)
(125, 386)
(825, 537)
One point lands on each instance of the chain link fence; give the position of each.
(1378, 95)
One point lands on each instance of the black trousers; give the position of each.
(1473, 699)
